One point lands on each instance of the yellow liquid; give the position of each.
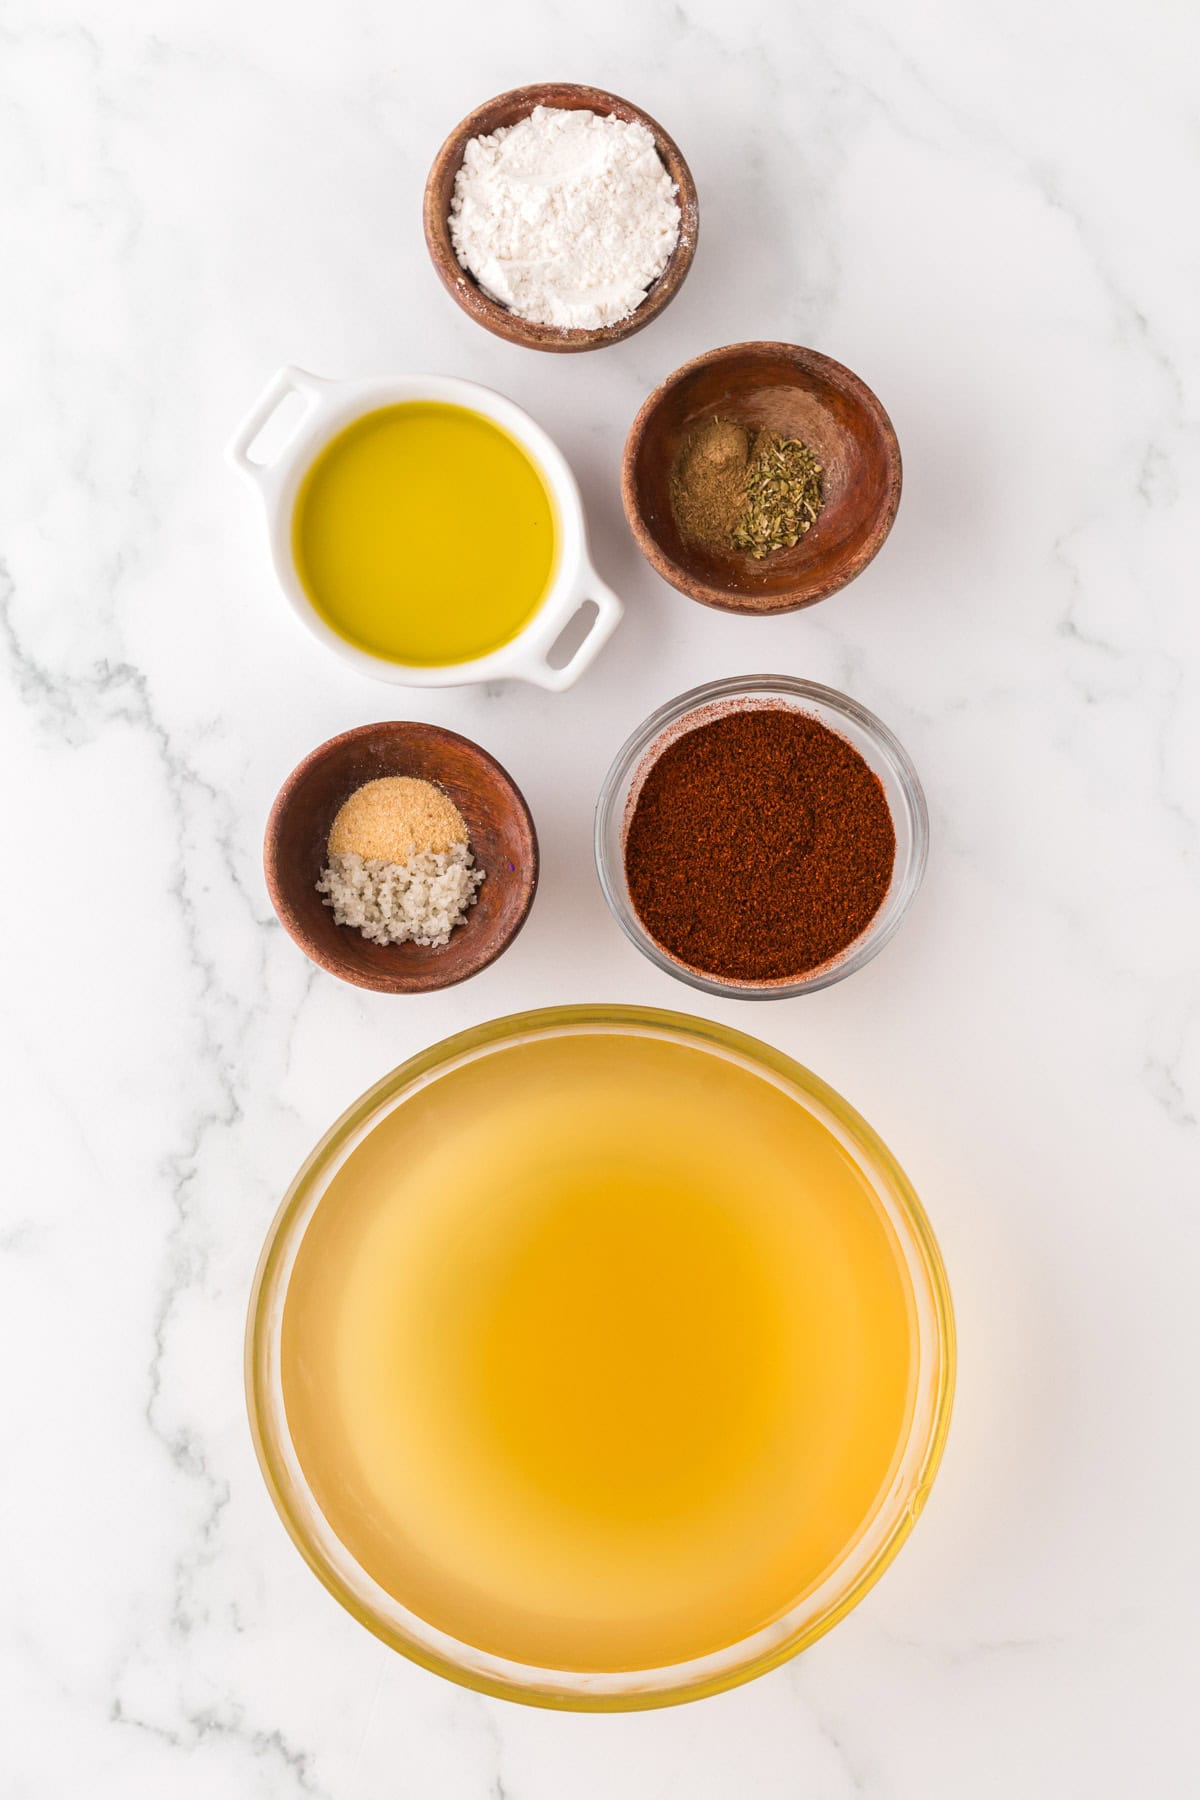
(597, 1353)
(423, 533)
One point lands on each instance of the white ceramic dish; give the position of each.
(330, 406)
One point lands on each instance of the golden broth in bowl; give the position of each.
(602, 1345)
(424, 533)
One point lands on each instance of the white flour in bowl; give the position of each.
(566, 217)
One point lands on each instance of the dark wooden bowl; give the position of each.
(502, 838)
(801, 394)
(507, 109)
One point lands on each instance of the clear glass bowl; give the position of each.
(863, 1560)
(881, 751)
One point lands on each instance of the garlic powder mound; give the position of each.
(394, 819)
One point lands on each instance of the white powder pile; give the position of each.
(566, 217)
(422, 899)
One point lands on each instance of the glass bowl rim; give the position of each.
(638, 1689)
(896, 905)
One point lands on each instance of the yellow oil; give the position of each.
(425, 534)
(598, 1353)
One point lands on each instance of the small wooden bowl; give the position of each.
(507, 109)
(801, 394)
(502, 838)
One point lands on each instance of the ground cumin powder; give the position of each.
(708, 488)
(761, 845)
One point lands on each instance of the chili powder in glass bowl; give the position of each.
(761, 837)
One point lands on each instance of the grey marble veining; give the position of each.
(989, 211)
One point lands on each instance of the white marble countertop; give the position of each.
(989, 211)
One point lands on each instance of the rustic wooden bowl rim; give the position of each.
(461, 284)
(696, 587)
(424, 978)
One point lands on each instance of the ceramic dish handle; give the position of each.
(285, 381)
(608, 616)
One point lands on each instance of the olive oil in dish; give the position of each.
(598, 1352)
(425, 534)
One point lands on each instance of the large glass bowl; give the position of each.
(862, 1562)
(882, 753)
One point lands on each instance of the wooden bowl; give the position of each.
(507, 109)
(502, 838)
(801, 394)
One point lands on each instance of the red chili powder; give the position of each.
(760, 846)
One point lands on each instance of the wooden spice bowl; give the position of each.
(798, 393)
(460, 284)
(502, 836)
